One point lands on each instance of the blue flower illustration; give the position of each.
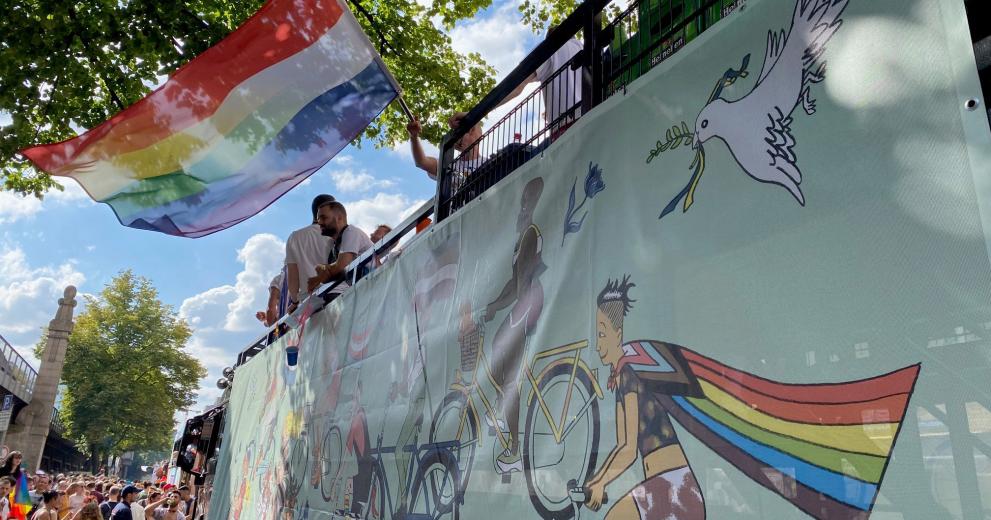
(593, 181)
(593, 186)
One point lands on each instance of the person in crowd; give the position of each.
(6, 484)
(153, 496)
(42, 483)
(98, 489)
(108, 505)
(90, 511)
(562, 93)
(306, 248)
(465, 163)
(49, 507)
(12, 465)
(349, 243)
(91, 491)
(122, 511)
(165, 508)
(76, 495)
(186, 504)
(137, 510)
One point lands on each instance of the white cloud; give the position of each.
(349, 180)
(223, 317)
(29, 294)
(500, 38)
(231, 307)
(383, 208)
(14, 207)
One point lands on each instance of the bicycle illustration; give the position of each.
(433, 493)
(561, 432)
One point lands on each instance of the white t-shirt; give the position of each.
(137, 510)
(307, 248)
(353, 240)
(566, 89)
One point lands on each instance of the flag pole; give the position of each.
(405, 107)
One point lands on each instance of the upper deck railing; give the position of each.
(612, 55)
(16, 375)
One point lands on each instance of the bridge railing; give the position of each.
(16, 375)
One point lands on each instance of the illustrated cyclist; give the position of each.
(413, 387)
(643, 426)
(524, 292)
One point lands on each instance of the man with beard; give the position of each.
(349, 243)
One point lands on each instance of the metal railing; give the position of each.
(16, 375)
(612, 56)
(57, 427)
(360, 267)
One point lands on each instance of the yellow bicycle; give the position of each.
(561, 432)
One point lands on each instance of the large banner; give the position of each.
(752, 286)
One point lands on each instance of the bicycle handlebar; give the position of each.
(580, 494)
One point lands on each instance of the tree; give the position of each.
(126, 371)
(67, 66)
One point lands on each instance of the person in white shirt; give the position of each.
(306, 248)
(349, 243)
(274, 308)
(564, 92)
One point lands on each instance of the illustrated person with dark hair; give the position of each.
(524, 292)
(643, 427)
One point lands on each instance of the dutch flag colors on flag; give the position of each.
(235, 128)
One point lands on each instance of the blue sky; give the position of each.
(216, 282)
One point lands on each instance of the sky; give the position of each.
(215, 283)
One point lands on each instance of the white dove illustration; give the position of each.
(792, 63)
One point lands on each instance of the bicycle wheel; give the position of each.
(444, 428)
(549, 465)
(375, 504)
(436, 488)
(331, 452)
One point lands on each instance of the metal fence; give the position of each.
(16, 375)
(612, 56)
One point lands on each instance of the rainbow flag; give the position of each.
(236, 127)
(20, 499)
(823, 447)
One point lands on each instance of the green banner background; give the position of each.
(886, 266)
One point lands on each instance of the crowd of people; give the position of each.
(91, 497)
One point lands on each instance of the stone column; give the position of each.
(30, 432)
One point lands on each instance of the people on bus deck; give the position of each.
(274, 307)
(466, 162)
(561, 94)
(349, 243)
(306, 248)
(383, 255)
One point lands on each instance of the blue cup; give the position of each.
(292, 356)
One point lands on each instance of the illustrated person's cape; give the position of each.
(823, 447)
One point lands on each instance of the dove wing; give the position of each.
(814, 24)
(780, 155)
(775, 42)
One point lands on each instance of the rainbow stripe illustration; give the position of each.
(823, 447)
(236, 127)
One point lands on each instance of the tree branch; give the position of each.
(93, 60)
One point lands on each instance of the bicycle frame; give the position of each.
(560, 426)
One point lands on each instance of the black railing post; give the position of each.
(443, 183)
(592, 62)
